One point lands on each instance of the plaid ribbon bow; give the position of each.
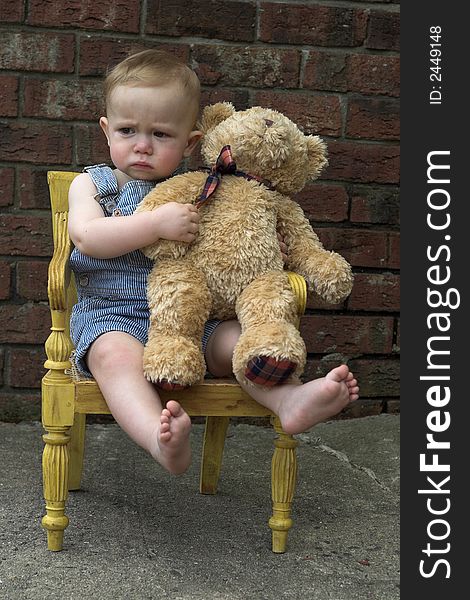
(225, 165)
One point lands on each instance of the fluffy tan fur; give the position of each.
(234, 268)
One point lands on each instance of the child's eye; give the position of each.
(160, 134)
(126, 130)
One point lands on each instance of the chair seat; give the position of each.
(212, 398)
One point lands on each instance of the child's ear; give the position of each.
(193, 140)
(104, 126)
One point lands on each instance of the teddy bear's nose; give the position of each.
(268, 122)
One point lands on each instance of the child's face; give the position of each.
(149, 130)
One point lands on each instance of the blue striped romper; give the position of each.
(112, 291)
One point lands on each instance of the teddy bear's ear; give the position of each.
(214, 114)
(317, 152)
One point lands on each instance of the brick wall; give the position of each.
(332, 67)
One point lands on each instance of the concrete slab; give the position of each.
(137, 533)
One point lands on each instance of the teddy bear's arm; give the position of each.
(327, 273)
(184, 188)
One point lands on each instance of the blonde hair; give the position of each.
(154, 68)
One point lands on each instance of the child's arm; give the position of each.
(106, 237)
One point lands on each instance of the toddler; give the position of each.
(152, 104)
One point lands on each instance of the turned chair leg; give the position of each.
(283, 480)
(55, 465)
(212, 452)
(76, 451)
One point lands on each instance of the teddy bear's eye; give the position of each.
(269, 123)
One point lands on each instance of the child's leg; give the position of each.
(219, 349)
(115, 359)
(299, 406)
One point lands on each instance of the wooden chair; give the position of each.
(66, 402)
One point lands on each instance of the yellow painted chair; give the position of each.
(66, 401)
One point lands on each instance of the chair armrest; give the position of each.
(59, 274)
(61, 287)
(299, 287)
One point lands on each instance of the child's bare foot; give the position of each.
(304, 406)
(173, 450)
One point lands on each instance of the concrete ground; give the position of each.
(137, 533)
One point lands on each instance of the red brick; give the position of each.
(350, 335)
(7, 177)
(374, 74)
(363, 163)
(11, 11)
(247, 66)
(24, 324)
(326, 71)
(362, 73)
(373, 119)
(361, 247)
(287, 23)
(97, 55)
(33, 189)
(91, 144)
(377, 377)
(239, 98)
(396, 345)
(31, 280)
(234, 21)
(375, 292)
(45, 52)
(8, 96)
(5, 280)
(375, 205)
(15, 407)
(63, 99)
(113, 15)
(384, 30)
(314, 114)
(392, 407)
(36, 143)
(394, 250)
(28, 235)
(26, 367)
(323, 202)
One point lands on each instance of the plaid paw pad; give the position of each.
(169, 386)
(267, 371)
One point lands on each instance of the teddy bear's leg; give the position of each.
(179, 302)
(270, 350)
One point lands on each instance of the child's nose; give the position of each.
(143, 145)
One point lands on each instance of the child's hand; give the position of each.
(177, 222)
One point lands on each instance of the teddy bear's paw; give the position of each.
(170, 386)
(269, 371)
(173, 362)
(269, 354)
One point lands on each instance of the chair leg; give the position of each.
(212, 452)
(55, 466)
(76, 449)
(283, 480)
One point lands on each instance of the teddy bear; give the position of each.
(255, 159)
